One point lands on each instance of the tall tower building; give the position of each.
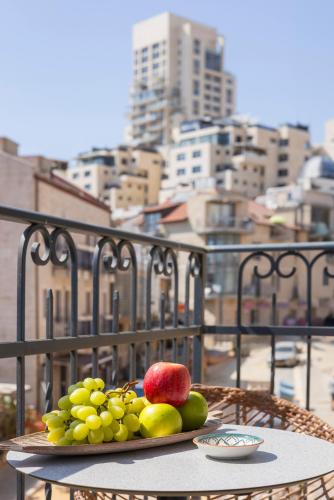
(178, 74)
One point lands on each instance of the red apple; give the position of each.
(167, 383)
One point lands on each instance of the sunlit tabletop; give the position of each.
(283, 459)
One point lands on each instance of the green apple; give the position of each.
(194, 411)
(158, 420)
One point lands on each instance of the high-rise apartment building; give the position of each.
(178, 74)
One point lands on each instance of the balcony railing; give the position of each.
(218, 223)
(162, 276)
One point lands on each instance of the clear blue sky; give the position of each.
(65, 65)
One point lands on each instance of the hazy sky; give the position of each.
(65, 65)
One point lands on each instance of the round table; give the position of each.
(283, 459)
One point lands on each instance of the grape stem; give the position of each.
(123, 390)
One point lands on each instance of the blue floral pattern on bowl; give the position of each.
(228, 445)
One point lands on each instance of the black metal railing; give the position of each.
(162, 275)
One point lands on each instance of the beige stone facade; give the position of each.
(178, 74)
(22, 186)
(204, 220)
(233, 154)
(122, 177)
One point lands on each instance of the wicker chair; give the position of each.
(260, 409)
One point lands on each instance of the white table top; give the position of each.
(284, 458)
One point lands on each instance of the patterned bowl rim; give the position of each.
(199, 440)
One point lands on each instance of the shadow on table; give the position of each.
(258, 457)
(63, 466)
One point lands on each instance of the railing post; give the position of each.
(197, 371)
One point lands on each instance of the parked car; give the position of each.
(286, 354)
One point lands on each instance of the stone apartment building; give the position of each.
(23, 185)
(178, 74)
(234, 154)
(212, 217)
(121, 177)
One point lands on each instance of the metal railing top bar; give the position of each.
(24, 216)
(272, 247)
(297, 331)
(66, 344)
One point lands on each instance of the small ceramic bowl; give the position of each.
(227, 445)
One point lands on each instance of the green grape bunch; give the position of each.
(91, 414)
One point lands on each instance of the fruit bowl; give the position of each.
(229, 446)
(37, 443)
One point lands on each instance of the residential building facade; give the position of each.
(24, 185)
(178, 74)
(308, 202)
(234, 154)
(329, 138)
(122, 177)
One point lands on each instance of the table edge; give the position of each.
(175, 493)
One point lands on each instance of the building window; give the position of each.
(216, 89)
(155, 46)
(207, 107)
(207, 86)
(144, 59)
(181, 171)
(229, 96)
(216, 109)
(207, 76)
(87, 186)
(195, 107)
(283, 142)
(283, 172)
(254, 169)
(273, 140)
(249, 138)
(207, 97)
(197, 46)
(325, 278)
(181, 156)
(155, 65)
(216, 98)
(144, 69)
(217, 79)
(155, 55)
(196, 169)
(120, 197)
(124, 161)
(197, 153)
(213, 60)
(196, 87)
(220, 181)
(238, 138)
(75, 175)
(87, 173)
(197, 66)
(228, 111)
(283, 157)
